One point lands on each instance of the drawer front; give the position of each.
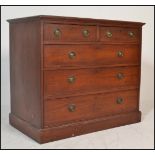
(90, 55)
(116, 34)
(68, 110)
(63, 83)
(56, 32)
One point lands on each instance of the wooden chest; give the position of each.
(72, 76)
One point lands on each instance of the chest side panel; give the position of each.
(25, 62)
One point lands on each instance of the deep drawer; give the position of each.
(116, 34)
(90, 55)
(69, 110)
(56, 32)
(61, 83)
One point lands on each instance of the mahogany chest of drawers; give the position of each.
(72, 76)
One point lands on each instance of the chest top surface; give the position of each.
(75, 20)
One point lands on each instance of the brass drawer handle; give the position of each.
(119, 100)
(86, 33)
(57, 33)
(120, 54)
(71, 79)
(120, 76)
(71, 107)
(109, 34)
(131, 34)
(71, 55)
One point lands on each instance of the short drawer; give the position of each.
(56, 32)
(116, 34)
(61, 83)
(72, 109)
(90, 55)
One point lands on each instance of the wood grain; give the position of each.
(56, 133)
(41, 95)
(89, 80)
(90, 55)
(89, 107)
(69, 32)
(120, 34)
(25, 72)
(78, 21)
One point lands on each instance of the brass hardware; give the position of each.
(72, 107)
(131, 34)
(85, 33)
(72, 55)
(71, 79)
(120, 54)
(109, 34)
(57, 33)
(119, 100)
(120, 76)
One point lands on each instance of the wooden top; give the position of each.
(75, 20)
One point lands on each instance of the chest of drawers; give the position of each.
(72, 76)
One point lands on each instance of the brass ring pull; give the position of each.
(71, 79)
(57, 33)
(85, 33)
(120, 76)
(120, 54)
(131, 34)
(119, 100)
(71, 55)
(109, 34)
(71, 107)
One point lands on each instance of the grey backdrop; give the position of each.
(139, 135)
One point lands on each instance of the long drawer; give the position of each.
(61, 83)
(72, 109)
(90, 55)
